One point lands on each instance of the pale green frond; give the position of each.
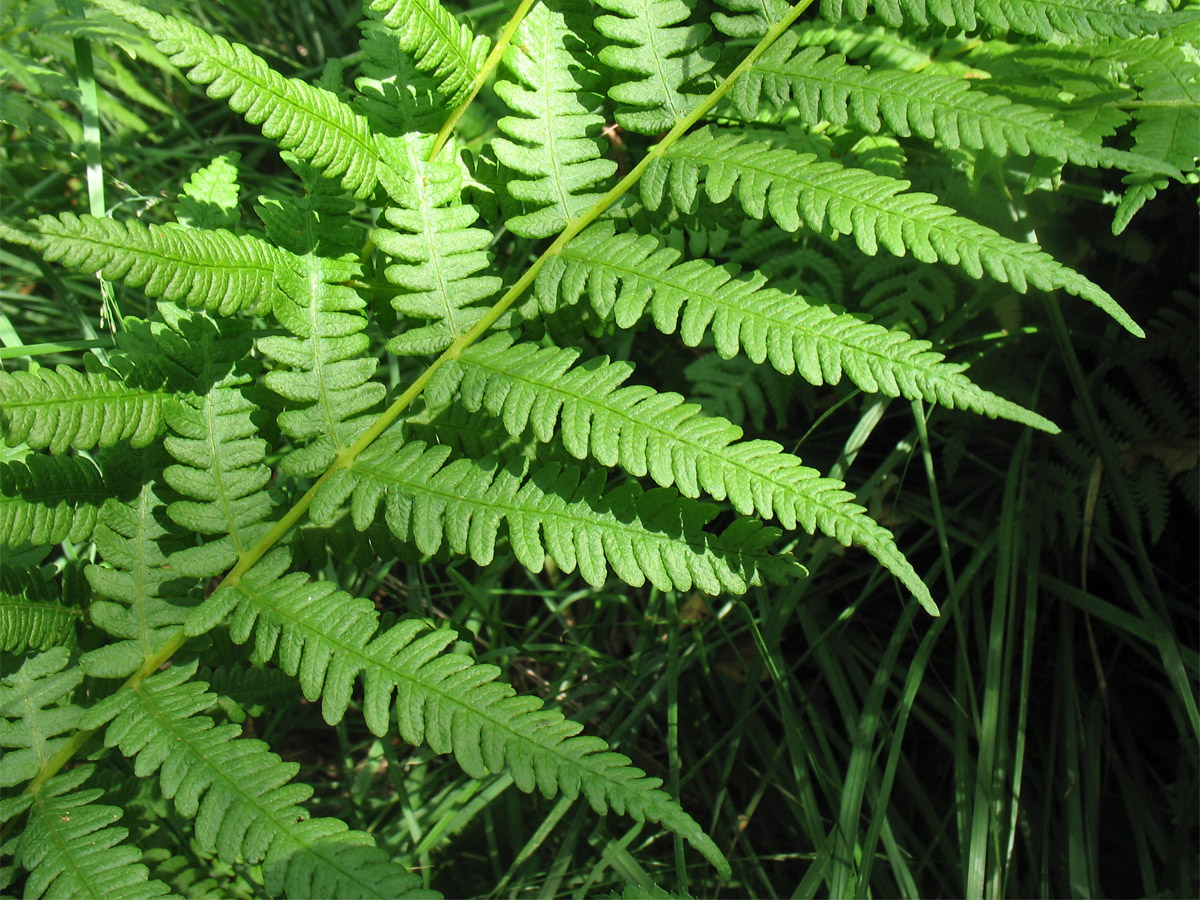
(748, 18)
(240, 795)
(62, 408)
(311, 122)
(71, 848)
(217, 270)
(396, 96)
(1046, 19)
(552, 139)
(210, 197)
(656, 536)
(623, 275)
(32, 615)
(441, 698)
(646, 432)
(439, 45)
(931, 105)
(796, 189)
(35, 702)
(49, 499)
(665, 56)
(439, 256)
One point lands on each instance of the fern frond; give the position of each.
(140, 598)
(1046, 19)
(240, 793)
(739, 390)
(210, 197)
(442, 698)
(552, 139)
(309, 121)
(35, 702)
(216, 445)
(646, 432)
(1168, 78)
(931, 105)
(70, 847)
(624, 274)
(49, 499)
(440, 256)
(795, 189)
(748, 18)
(654, 535)
(324, 369)
(218, 270)
(440, 45)
(663, 55)
(392, 92)
(63, 408)
(32, 616)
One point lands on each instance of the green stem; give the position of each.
(489, 65)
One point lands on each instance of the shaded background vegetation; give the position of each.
(1039, 739)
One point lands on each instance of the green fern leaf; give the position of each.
(71, 849)
(552, 137)
(217, 270)
(210, 197)
(140, 598)
(393, 94)
(1046, 19)
(34, 701)
(654, 535)
(645, 432)
(31, 614)
(64, 407)
(49, 499)
(309, 121)
(439, 45)
(623, 274)
(214, 440)
(933, 106)
(240, 794)
(664, 57)
(440, 256)
(442, 698)
(794, 189)
(748, 18)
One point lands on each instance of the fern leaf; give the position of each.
(63, 408)
(654, 535)
(439, 44)
(31, 614)
(645, 432)
(748, 18)
(49, 499)
(933, 106)
(440, 256)
(309, 121)
(663, 55)
(441, 698)
(794, 189)
(323, 370)
(215, 443)
(240, 794)
(35, 701)
(140, 598)
(623, 274)
(210, 197)
(1046, 19)
(552, 139)
(1169, 113)
(71, 848)
(392, 92)
(217, 270)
